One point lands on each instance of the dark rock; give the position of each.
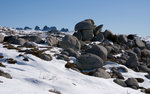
(72, 52)
(123, 39)
(29, 45)
(51, 41)
(132, 82)
(1, 65)
(131, 37)
(116, 73)
(7, 75)
(46, 28)
(98, 29)
(89, 61)
(107, 34)
(27, 28)
(130, 44)
(11, 61)
(137, 51)
(84, 25)
(101, 73)
(78, 35)
(144, 68)
(90, 21)
(139, 43)
(87, 35)
(37, 28)
(63, 57)
(46, 57)
(14, 40)
(1, 38)
(147, 90)
(64, 30)
(120, 82)
(70, 41)
(132, 62)
(98, 50)
(33, 38)
(140, 80)
(122, 69)
(100, 37)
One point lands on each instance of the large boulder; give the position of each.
(15, 40)
(123, 39)
(85, 25)
(132, 62)
(78, 35)
(98, 50)
(71, 52)
(29, 44)
(1, 37)
(98, 29)
(137, 51)
(51, 41)
(107, 34)
(100, 37)
(33, 38)
(89, 61)
(120, 82)
(87, 35)
(70, 41)
(139, 43)
(132, 82)
(101, 73)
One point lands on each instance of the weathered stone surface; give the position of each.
(70, 41)
(89, 61)
(101, 73)
(51, 41)
(120, 82)
(99, 50)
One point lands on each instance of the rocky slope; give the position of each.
(88, 61)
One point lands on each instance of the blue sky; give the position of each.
(119, 16)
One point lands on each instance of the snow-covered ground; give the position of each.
(38, 77)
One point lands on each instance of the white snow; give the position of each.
(38, 76)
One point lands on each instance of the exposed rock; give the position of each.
(147, 91)
(123, 39)
(1, 65)
(89, 61)
(29, 45)
(63, 57)
(140, 80)
(46, 57)
(131, 37)
(84, 25)
(116, 73)
(100, 37)
(120, 82)
(51, 41)
(1, 38)
(132, 62)
(130, 44)
(70, 41)
(14, 40)
(72, 52)
(2, 73)
(144, 68)
(132, 82)
(98, 29)
(78, 35)
(98, 50)
(107, 34)
(139, 43)
(87, 35)
(37, 28)
(33, 38)
(122, 69)
(101, 73)
(137, 51)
